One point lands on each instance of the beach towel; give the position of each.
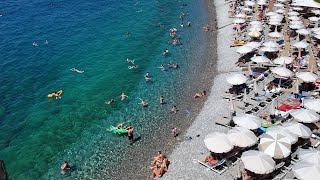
(285, 107)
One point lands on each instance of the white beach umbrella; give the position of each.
(249, 3)
(309, 155)
(260, 59)
(317, 32)
(312, 104)
(279, 129)
(242, 137)
(258, 162)
(240, 16)
(268, 49)
(280, 11)
(307, 76)
(253, 44)
(299, 22)
(293, 18)
(218, 142)
(237, 79)
(261, 2)
(244, 49)
(277, 16)
(313, 18)
(297, 8)
(255, 29)
(239, 21)
(247, 121)
(306, 171)
(278, 5)
(305, 115)
(282, 71)
(283, 60)
(275, 145)
(275, 23)
(316, 11)
(270, 13)
(272, 19)
(247, 9)
(298, 129)
(300, 44)
(255, 23)
(303, 31)
(257, 26)
(293, 13)
(275, 34)
(317, 36)
(296, 26)
(254, 34)
(271, 44)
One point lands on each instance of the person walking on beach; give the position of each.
(174, 109)
(130, 134)
(161, 99)
(123, 96)
(174, 131)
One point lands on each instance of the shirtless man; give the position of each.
(174, 109)
(123, 96)
(197, 95)
(121, 125)
(143, 103)
(130, 134)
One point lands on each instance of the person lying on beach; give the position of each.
(123, 96)
(200, 94)
(210, 160)
(158, 170)
(76, 70)
(206, 28)
(121, 125)
(110, 101)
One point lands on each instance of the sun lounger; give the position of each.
(218, 168)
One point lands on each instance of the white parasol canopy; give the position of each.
(296, 26)
(270, 13)
(275, 23)
(249, 3)
(317, 36)
(280, 11)
(275, 34)
(293, 13)
(300, 44)
(275, 145)
(255, 23)
(254, 34)
(297, 22)
(312, 104)
(298, 129)
(261, 2)
(239, 21)
(253, 44)
(240, 16)
(271, 44)
(279, 129)
(237, 79)
(306, 171)
(242, 137)
(307, 76)
(260, 59)
(309, 155)
(268, 49)
(244, 49)
(294, 18)
(313, 18)
(282, 71)
(283, 60)
(303, 31)
(256, 29)
(258, 162)
(218, 142)
(278, 5)
(304, 115)
(247, 121)
(316, 11)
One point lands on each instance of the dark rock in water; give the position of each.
(3, 172)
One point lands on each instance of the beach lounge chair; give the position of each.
(218, 168)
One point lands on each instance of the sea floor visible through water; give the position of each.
(75, 127)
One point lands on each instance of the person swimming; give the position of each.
(123, 96)
(130, 61)
(110, 101)
(143, 103)
(162, 67)
(57, 95)
(76, 70)
(46, 42)
(147, 77)
(121, 125)
(161, 100)
(133, 67)
(35, 44)
(166, 52)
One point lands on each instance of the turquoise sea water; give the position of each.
(37, 133)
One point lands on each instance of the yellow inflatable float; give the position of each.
(52, 94)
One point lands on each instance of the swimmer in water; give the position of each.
(133, 67)
(162, 67)
(189, 24)
(143, 103)
(174, 109)
(166, 52)
(35, 44)
(161, 100)
(121, 125)
(46, 42)
(147, 77)
(123, 96)
(127, 34)
(130, 61)
(57, 95)
(110, 101)
(181, 25)
(76, 70)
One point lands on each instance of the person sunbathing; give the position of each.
(200, 94)
(211, 161)
(158, 170)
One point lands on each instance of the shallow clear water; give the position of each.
(37, 133)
